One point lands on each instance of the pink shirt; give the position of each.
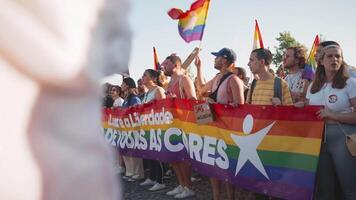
(224, 93)
(176, 89)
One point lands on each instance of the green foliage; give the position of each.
(285, 40)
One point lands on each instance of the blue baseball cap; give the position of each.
(227, 53)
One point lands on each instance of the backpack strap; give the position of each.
(215, 93)
(253, 85)
(277, 88)
(223, 78)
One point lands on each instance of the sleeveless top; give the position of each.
(224, 93)
(176, 88)
(149, 96)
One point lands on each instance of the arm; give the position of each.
(200, 79)
(160, 94)
(188, 88)
(301, 104)
(349, 118)
(207, 87)
(305, 89)
(43, 44)
(237, 90)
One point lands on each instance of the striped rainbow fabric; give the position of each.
(257, 37)
(289, 152)
(310, 67)
(192, 22)
(157, 66)
(311, 58)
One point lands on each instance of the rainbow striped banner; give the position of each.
(191, 23)
(265, 149)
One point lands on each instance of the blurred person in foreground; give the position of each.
(55, 52)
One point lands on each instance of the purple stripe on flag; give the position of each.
(300, 178)
(281, 174)
(283, 187)
(190, 35)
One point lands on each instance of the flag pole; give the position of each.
(206, 17)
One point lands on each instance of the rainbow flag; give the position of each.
(311, 58)
(192, 22)
(263, 149)
(310, 67)
(156, 62)
(257, 37)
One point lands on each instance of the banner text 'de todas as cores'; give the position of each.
(265, 149)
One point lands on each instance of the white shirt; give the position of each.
(352, 71)
(118, 102)
(295, 82)
(338, 100)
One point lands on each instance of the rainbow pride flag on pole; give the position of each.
(311, 58)
(263, 149)
(156, 64)
(310, 66)
(257, 37)
(192, 22)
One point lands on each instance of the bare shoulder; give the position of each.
(160, 90)
(235, 79)
(186, 80)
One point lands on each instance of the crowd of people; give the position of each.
(331, 85)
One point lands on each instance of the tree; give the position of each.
(285, 40)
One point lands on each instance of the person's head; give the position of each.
(259, 61)
(106, 89)
(331, 62)
(240, 72)
(128, 85)
(163, 79)
(141, 88)
(321, 46)
(224, 58)
(294, 57)
(171, 64)
(151, 76)
(115, 91)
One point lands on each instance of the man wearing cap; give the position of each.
(231, 87)
(226, 88)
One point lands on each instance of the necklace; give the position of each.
(294, 81)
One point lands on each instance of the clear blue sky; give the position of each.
(231, 24)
